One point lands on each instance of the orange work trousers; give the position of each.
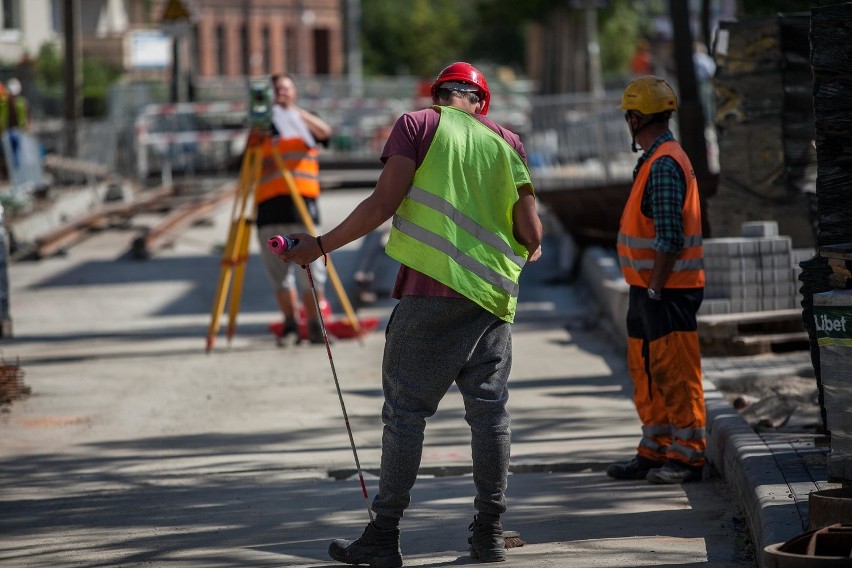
(664, 362)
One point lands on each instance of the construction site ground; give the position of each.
(138, 448)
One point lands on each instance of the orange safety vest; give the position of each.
(300, 159)
(636, 232)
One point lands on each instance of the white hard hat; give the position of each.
(14, 86)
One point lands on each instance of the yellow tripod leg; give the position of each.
(243, 239)
(312, 230)
(222, 289)
(230, 251)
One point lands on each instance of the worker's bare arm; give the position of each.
(526, 224)
(393, 184)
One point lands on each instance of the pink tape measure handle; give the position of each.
(279, 244)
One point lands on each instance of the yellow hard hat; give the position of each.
(649, 95)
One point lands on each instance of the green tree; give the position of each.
(620, 23)
(514, 11)
(48, 68)
(416, 37)
(620, 27)
(97, 78)
(500, 29)
(420, 36)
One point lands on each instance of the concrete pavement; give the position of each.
(137, 448)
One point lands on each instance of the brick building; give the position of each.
(259, 37)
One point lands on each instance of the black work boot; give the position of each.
(637, 468)
(290, 327)
(315, 335)
(486, 542)
(675, 472)
(376, 548)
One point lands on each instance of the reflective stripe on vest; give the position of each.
(455, 223)
(636, 232)
(300, 159)
(439, 243)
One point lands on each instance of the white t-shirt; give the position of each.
(289, 124)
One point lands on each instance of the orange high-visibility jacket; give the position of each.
(300, 159)
(636, 233)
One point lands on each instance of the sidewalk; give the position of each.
(137, 448)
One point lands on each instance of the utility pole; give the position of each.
(690, 113)
(353, 48)
(176, 20)
(73, 74)
(593, 53)
(706, 29)
(176, 66)
(246, 41)
(593, 50)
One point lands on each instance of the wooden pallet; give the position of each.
(752, 333)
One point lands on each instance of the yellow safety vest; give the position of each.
(455, 223)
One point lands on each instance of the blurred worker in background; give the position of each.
(705, 70)
(4, 102)
(661, 255)
(640, 61)
(464, 226)
(296, 135)
(14, 120)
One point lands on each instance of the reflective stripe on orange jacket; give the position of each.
(300, 159)
(636, 233)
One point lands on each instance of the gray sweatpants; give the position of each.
(431, 343)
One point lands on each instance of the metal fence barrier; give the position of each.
(570, 138)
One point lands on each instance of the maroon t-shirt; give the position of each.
(411, 137)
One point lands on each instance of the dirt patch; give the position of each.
(12, 385)
(55, 421)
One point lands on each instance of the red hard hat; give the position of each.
(461, 71)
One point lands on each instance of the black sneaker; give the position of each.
(376, 548)
(487, 543)
(637, 468)
(674, 472)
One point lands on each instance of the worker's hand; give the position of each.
(305, 252)
(535, 255)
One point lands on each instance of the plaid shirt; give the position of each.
(663, 199)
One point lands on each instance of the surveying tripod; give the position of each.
(235, 255)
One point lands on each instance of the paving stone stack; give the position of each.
(762, 160)
(755, 272)
(831, 61)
